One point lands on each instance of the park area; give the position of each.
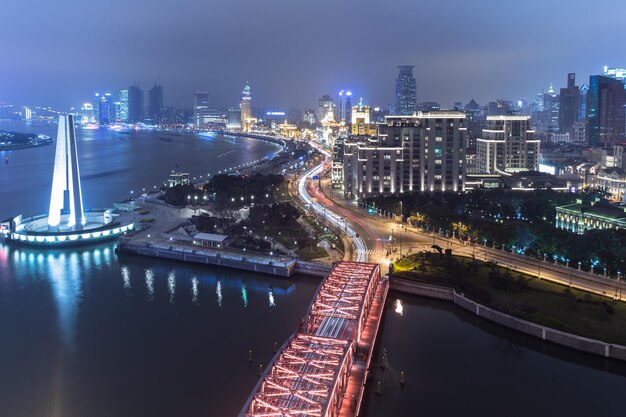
(523, 296)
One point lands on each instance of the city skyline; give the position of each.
(502, 66)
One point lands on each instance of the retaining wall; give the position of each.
(558, 337)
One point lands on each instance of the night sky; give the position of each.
(292, 51)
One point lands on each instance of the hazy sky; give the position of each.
(59, 52)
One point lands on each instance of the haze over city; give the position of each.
(59, 53)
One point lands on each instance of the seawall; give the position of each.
(548, 334)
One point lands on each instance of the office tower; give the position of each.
(66, 196)
(309, 117)
(246, 108)
(582, 109)
(550, 111)
(406, 91)
(507, 146)
(200, 107)
(605, 111)
(326, 109)
(155, 104)
(617, 73)
(422, 152)
(105, 109)
(121, 108)
(345, 106)
(135, 104)
(569, 105)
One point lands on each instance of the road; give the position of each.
(379, 239)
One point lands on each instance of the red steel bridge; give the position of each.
(321, 370)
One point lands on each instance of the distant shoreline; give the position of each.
(11, 141)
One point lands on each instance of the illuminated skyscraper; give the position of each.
(121, 108)
(246, 110)
(406, 91)
(345, 106)
(326, 109)
(605, 111)
(66, 198)
(104, 107)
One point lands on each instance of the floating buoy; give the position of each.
(250, 356)
(402, 377)
(260, 369)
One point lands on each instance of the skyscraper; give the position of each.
(326, 109)
(605, 111)
(135, 104)
(345, 106)
(246, 108)
(550, 111)
(155, 104)
(121, 107)
(200, 107)
(66, 197)
(569, 105)
(406, 91)
(105, 108)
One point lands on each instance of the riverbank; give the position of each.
(415, 286)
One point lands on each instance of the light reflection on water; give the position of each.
(194, 290)
(218, 291)
(126, 278)
(171, 286)
(150, 283)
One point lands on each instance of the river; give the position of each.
(85, 332)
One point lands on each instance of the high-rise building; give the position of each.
(582, 110)
(569, 105)
(309, 117)
(121, 108)
(345, 106)
(200, 107)
(105, 108)
(406, 91)
(66, 200)
(326, 109)
(550, 111)
(617, 73)
(507, 146)
(605, 111)
(135, 104)
(422, 152)
(246, 108)
(27, 113)
(155, 104)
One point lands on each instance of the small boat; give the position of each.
(6, 161)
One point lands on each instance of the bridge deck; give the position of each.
(321, 371)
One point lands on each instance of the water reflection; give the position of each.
(64, 274)
(171, 286)
(270, 294)
(218, 291)
(194, 290)
(244, 294)
(150, 284)
(126, 278)
(398, 307)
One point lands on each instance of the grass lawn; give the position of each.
(323, 231)
(522, 295)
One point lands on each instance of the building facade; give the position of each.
(580, 217)
(605, 111)
(507, 146)
(569, 105)
(135, 104)
(423, 152)
(200, 107)
(406, 91)
(155, 104)
(246, 108)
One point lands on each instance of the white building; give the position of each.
(507, 146)
(423, 152)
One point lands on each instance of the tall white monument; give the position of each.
(66, 200)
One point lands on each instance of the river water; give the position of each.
(85, 332)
